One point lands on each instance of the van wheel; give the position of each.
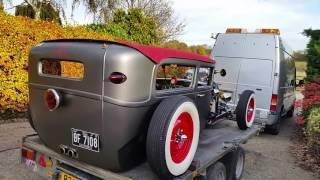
(217, 172)
(290, 112)
(173, 136)
(245, 111)
(274, 129)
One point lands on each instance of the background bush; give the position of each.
(313, 53)
(313, 129)
(17, 36)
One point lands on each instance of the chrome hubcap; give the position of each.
(180, 136)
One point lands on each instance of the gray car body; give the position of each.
(258, 62)
(119, 113)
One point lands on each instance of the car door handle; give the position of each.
(200, 95)
(259, 89)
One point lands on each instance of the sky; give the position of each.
(204, 17)
(214, 16)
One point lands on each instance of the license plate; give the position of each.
(65, 176)
(31, 164)
(86, 140)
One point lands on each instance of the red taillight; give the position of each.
(27, 154)
(52, 99)
(117, 77)
(42, 161)
(26, 67)
(274, 101)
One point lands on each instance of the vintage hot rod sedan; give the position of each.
(111, 104)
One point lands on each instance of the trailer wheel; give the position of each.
(217, 172)
(173, 136)
(239, 158)
(245, 111)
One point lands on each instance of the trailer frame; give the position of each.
(215, 143)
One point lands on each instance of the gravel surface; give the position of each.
(267, 155)
(10, 140)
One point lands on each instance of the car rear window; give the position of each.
(173, 76)
(204, 76)
(62, 68)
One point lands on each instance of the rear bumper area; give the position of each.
(213, 145)
(265, 117)
(58, 163)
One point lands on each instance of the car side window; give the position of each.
(173, 76)
(204, 76)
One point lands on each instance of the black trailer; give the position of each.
(219, 156)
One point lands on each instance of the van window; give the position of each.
(291, 72)
(172, 76)
(204, 76)
(61, 68)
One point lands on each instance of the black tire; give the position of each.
(290, 112)
(160, 133)
(217, 171)
(239, 160)
(245, 121)
(275, 128)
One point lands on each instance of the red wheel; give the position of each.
(245, 111)
(173, 136)
(181, 137)
(250, 110)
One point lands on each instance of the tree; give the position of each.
(197, 49)
(2, 4)
(42, 9)
(313, 54)
(47, 12)
(168, 25)
(174, 44)
(132, 25)
(102, 10)
(300, 56)
(162, 11)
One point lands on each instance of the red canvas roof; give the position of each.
(157, 54)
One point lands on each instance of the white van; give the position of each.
(260, 62)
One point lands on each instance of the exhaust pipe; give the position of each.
(68, 151)
(63, 149)
(72, 153)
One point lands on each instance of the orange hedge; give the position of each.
(17, 36)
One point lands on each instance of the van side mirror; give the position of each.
(292, 83)
(222, 72)
(300, 83)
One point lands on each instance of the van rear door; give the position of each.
(228, 82)
(248, 60)
(246, 74)
(256, 75)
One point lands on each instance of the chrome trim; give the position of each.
(56, 97)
